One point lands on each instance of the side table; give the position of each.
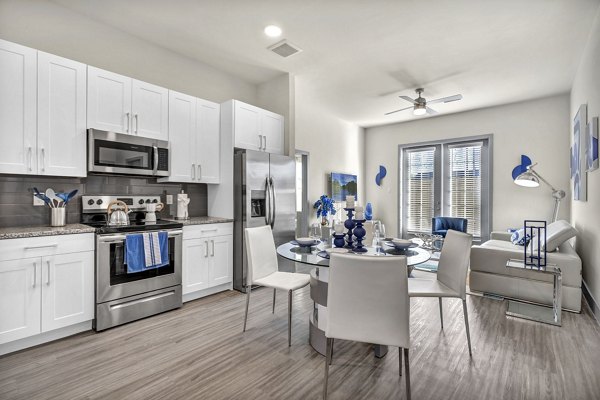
(534, 312)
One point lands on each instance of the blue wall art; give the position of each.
(519, 169)
(578, 175)
(382, 173)
(591, 145)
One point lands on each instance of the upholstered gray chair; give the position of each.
(367, 301)
(451, 275)
(263, 270)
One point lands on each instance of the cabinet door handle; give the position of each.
(212, 242)
(260, 142)
(127, 127)
(43, 159)
(206, 252)
(30, 155)
(193, 171)
(48, 273)
(34, 274)
(136, 123)
(265, 148)
(199, 171)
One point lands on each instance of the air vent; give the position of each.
(285, 48)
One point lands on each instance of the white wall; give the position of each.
(535, 128)
(277, 95)
(54, 29)
(334, 145)
(586, 215)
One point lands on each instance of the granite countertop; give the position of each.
(201, 220)
(19, 232)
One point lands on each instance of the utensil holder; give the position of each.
(58, 216)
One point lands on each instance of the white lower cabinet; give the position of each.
(207, 257)
(48, 290)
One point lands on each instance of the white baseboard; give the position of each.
(206, 292)
(44, 337)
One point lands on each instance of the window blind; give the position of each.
(465, 185)
(420, 181)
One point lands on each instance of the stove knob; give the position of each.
(90, 202)
(99, 202)
(141, 201)
(147, 200)
(155, 201)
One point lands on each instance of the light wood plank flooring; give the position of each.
(200, 352)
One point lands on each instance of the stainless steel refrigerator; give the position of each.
(264, 194)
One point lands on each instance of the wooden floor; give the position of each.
(200, 352)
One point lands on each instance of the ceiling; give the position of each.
(358, 56)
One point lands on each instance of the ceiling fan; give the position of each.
(419, 105)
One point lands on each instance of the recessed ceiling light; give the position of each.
(273, 31)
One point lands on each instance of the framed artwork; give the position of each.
(591, 145)
(343, 185)
(578, 174)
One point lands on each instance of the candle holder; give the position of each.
(338, 240)
(349, 224)
(359, 233)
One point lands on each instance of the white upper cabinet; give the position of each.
(18, 109)
(195, 139)
(121, 104)
(150, 110)
(208, 141)
(42, 113)
(61, 141)
(257, 129)
(109, 101)
(182, 137)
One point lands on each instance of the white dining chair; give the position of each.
(367, 301)
(263, 270)
(451, 275)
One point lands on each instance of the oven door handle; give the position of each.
(120, 238)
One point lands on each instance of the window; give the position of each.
(449, 178)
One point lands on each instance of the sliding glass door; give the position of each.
(451, 179)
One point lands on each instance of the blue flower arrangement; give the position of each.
(324, 206)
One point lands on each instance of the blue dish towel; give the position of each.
(146, 251)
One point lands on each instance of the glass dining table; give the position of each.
(319, 278)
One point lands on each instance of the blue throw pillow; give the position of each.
(519, 238)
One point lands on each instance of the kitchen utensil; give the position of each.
(119, 216)
(66, 197)
(53, 198)
(151, 209)
(71, 195)
(42, 197)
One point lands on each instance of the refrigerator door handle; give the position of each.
(267, 202)
(272, 202)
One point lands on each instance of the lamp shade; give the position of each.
(527, 179)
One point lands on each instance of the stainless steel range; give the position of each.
(123, 297)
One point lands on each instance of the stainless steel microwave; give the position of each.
(117, 153)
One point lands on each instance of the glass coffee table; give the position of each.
(319, 278)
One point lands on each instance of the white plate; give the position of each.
(306, 241)
(336, 250)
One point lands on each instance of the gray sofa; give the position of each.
(489, 275)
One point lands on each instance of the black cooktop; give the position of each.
(136, 224)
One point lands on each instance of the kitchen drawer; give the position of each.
(207, 230)
(14, 249)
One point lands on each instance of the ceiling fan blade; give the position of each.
(448, 99)
(408, 99)
(402, 109)
(431, 111)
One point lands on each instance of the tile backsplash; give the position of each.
(16, 195)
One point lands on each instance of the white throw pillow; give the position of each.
(556, 234)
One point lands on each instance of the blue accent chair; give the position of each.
(441, 225)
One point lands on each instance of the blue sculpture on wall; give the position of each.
(382, 173)
(519, 169)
